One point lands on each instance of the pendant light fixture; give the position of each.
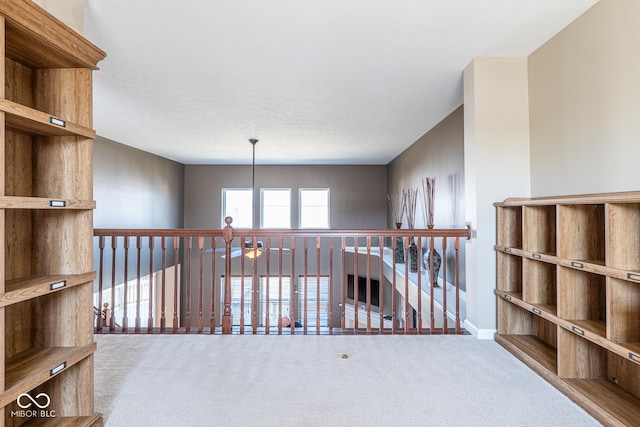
(249, 250)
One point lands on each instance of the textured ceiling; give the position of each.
(317, 81)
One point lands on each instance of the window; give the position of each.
(237, 203)
(276, 208)
(312, 300)
(237, 291)
(314, 208)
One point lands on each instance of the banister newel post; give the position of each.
(227, 235)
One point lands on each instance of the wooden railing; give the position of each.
(303, 281)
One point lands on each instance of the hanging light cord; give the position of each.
(253, 184)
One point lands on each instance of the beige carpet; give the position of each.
(203, 380)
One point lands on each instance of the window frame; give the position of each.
(223, 207)
(300, 207)
(263, 210)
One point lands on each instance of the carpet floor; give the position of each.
(215, 380)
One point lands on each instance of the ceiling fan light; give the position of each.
(253, 252)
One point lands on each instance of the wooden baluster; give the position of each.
(457, 286)
(112, 318)
(138, 262)
(212, 320)
(267, 313)
(106, 312)
(280, 286)
(356, 277)
(150, 319)
(406, 286)
(394, 291)
(343, 285)
(444, 286)
(306, 263)
(125, 302)
(99, 322)
(187, 303)
(330, 285)
(176, 260)
(242, 258)
(227, 234)
(200, 282)
(419, 314)
(163, 312)
(255, 297)
(368, 296)
(317, 285)
(433, 282)
(294, 295)
(381, 287)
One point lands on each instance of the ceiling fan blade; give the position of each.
(220, 250)
(234, 253)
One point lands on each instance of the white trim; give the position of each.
(481, 334)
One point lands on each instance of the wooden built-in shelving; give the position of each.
(568, 289)
(46, 217)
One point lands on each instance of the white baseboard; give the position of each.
(481, 334)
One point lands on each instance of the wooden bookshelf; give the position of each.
(568, 289)
(46, 217)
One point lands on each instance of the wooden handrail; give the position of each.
(321, 232)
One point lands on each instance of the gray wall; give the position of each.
(440, 154)
(134, 189)
(358, 193)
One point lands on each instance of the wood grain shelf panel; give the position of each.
(88, 421)
(510, 227)
(531, 350)
(595, 327)
(17, 202)
(30, 369)
(31, 121)
(580, 199)
(609, 403)
(23, 289)
(39, 40)
(546, 311)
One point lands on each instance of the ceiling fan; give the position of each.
(248, 250)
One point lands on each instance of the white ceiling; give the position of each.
(317, 81)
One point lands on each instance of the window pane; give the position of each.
(276, 208)
(236, 203)
(312, 300)
(274, 297)
(314, 208)
(273, 301)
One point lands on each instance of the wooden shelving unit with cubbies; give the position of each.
(568, 288)
(46, 219)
